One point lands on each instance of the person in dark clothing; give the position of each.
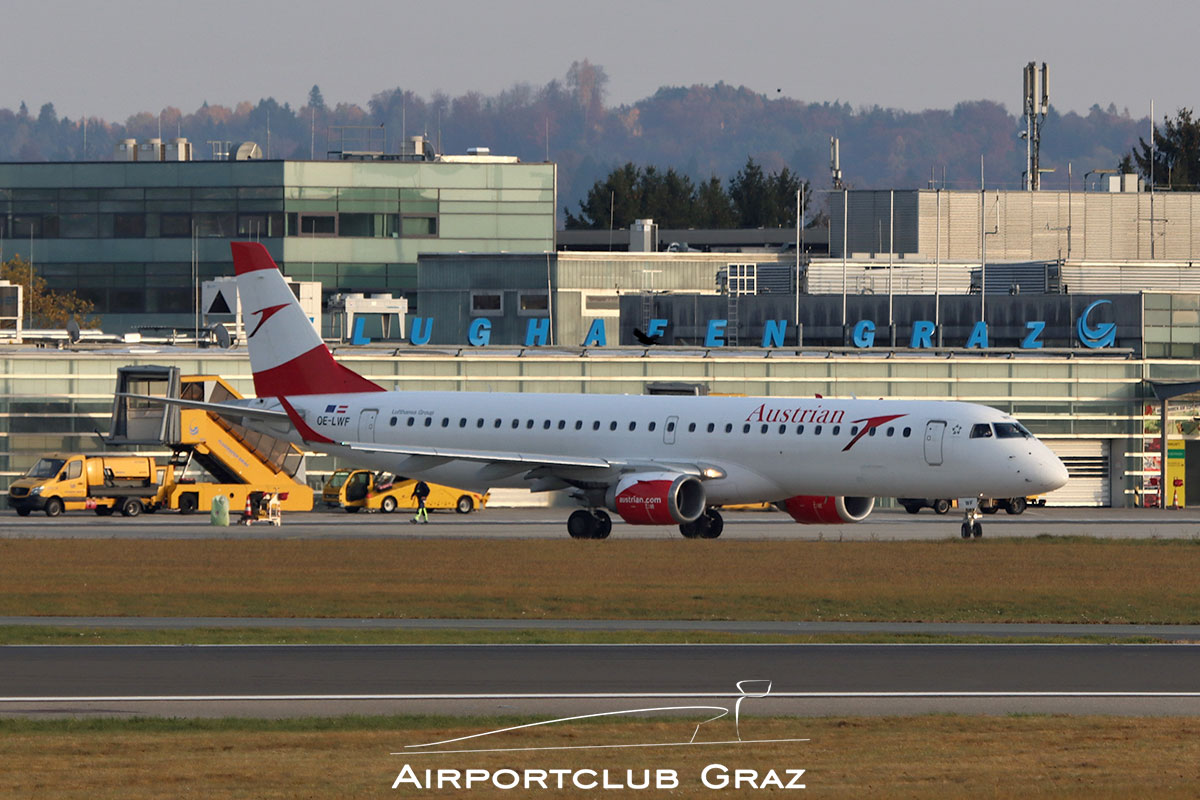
(421, 491)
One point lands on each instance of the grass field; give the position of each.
(1036, 580)
(930, 756)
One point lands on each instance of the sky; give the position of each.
(120, 57)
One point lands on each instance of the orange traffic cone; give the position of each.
(248, 514)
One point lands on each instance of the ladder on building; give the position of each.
(731, 317)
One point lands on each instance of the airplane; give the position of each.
(652, 460)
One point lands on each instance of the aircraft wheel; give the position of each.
(977, 529)
(603, 525)
(581, 524)
(54, 507)
(966, 530)
(1016, 505)
(714, 523)
(387, 505)
(464, 505)
(941, 506)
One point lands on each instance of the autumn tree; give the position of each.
(43, 307)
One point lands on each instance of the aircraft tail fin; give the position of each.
(286, 352)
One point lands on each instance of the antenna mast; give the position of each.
(1037, 105)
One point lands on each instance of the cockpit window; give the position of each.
(981, 430)
(1012, 430)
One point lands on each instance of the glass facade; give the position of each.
(126, 235)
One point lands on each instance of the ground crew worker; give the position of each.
(421, 491)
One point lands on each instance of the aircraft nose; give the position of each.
(1050, 473)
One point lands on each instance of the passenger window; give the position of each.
(817, 431)
(691, 427)
(516, 424)
(891, 431)
(412, 421)
(711, 427)
(764, 428)
(907, 432)
(392, 422)
(578, 424)
(799, 430)
(729, 427)
(596, 425)
(854, 431)
(612, 426)
(870, 433)
(632, 426)
(462, 423)
(497, 423)
(479, 422)
(783, 428)
(445, 421)
(837, 429)
(653, 425)
(746, 428)
(546, 425)
(528, 423)
(428, 421)
(562, 423)
(981, 431)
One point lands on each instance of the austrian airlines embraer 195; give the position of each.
(653, 460)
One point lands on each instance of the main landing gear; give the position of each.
(707, 526)
(971, 525)
(589, 524)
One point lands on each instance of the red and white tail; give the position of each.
(286, 352)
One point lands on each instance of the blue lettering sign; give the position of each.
(358, 337)
(716, 333)
(863, 334)
(537, 332)
(773, 332)
(418, 336)
(922, 336)
(1033, 340)
(657, 327)
(1103, 335)
(595, 335)
(979, 336)
(480, 332)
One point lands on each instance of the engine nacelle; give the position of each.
(809, 509)
(657, 498)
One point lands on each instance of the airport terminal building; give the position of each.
(1070, 343)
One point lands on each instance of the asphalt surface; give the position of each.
(550, 523)
(450, 678)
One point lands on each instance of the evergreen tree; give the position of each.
(1176, 153)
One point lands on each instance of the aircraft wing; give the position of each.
(228, 410)
(485, 456)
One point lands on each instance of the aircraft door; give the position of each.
(366, 424)
(669, 430)
(934, 429)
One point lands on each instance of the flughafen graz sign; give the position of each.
(1091, 328)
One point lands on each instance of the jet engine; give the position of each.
(657, 498)
(809, 509)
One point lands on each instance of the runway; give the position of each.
(806, 679)
(550, 523)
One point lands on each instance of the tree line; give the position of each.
(751, 199)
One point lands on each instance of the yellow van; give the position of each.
(353, 489)
(78, 482)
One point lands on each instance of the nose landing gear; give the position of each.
(971, 526)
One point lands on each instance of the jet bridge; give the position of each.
(209, 454)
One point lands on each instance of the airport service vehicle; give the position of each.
(987, 505)
(653, 460)
(101, 483)
(353, 489)
(210, 456)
